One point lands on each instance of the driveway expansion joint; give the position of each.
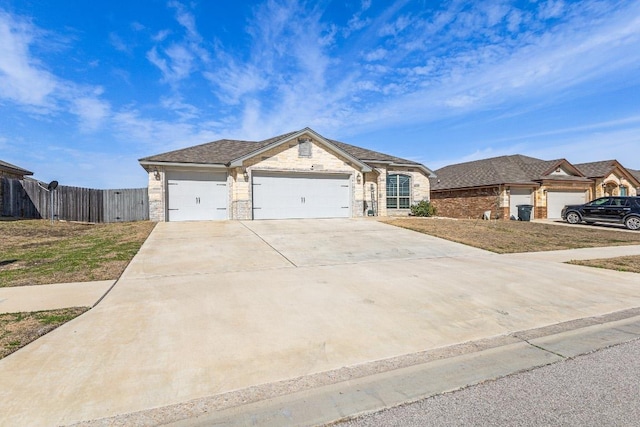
(545, 349)
(268, 244)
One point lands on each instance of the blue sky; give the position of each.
(87, 88)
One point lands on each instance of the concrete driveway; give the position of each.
(228, 308)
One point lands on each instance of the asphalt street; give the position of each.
(596, 389)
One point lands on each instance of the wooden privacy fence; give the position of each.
(28, 199)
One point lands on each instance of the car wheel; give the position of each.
(573, 218)
(632, 223)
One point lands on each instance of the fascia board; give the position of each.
(184, 165)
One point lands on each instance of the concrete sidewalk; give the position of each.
(50, 297)
(577, 254)
(449, 369)
(240, 312)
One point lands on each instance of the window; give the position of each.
(600, 202)
(623, 190)
(398, 191)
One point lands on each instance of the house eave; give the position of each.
(20, 172)
(146, 163)
(426, 170)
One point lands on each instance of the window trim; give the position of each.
(398, 197)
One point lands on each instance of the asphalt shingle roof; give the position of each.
(363, 154)
(13, 168)
(596, 169)
(515, 169)
(226, 150)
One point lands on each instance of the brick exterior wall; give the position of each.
(471, 203)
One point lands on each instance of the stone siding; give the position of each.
(285, 158)
(157, 194)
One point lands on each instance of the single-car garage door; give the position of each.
(519, 196)
(197, 196)
(303, 195)
(556, 200)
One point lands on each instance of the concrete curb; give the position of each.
(441, 370)
(346, 400)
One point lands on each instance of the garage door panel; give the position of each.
(556, 200)
(280, 196)
(517, 197)
(197, 196)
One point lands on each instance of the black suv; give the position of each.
(621, 210)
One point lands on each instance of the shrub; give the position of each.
(423, 208)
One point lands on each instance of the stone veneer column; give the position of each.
(157, 212)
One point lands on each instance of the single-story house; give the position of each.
(7, 170)
(500, 184)
(300, 174)
(610, 178)
(636, 174)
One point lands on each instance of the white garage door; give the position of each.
(519, 196)
(197, 196)
(556, 200)
(280, 196)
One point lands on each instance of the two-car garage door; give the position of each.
(301, 195)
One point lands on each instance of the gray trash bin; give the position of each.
(524, 212)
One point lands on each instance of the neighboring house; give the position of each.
(636, 175)
(7, 170)
(300, 174)
(610, 178)
(500, 184)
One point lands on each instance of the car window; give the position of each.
(599, 202)
(617, 202)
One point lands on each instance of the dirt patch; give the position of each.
(36, 252)
(516, 236)
(625, 263)
(19, 329)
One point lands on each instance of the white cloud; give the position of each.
(176, 63)
(394, 28)
(26, 81)
(234, 81)
(119, 44)
(551, 9)
(179, 59)
(183, 110)
(161, 35)
(91, 111)
(164, 135)
(22, 78)
(376, 55)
